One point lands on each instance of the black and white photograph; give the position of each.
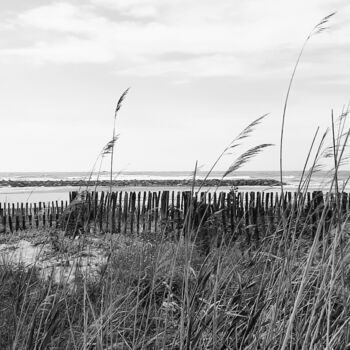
(174, 174)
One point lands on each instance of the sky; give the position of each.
(199, 72)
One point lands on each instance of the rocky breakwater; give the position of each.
(140, 183)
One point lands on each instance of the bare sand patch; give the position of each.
(61, 259)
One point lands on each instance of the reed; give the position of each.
(317, 29)
(110, 146)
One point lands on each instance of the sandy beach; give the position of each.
(48, 190)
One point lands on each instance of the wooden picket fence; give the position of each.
(140, 212)
(22, 216)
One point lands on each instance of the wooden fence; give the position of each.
(22, 216)
(140, 212)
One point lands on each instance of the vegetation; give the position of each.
(290, 289)
(165, 294)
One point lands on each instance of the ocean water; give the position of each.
(319, 181)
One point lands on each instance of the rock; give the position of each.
(145, 183)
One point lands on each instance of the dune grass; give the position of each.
(164, 294)
(290, 289)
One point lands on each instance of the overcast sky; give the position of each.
(199, 72)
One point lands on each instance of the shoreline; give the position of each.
(139, 183)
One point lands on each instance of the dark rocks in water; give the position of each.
(139, 183)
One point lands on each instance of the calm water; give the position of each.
(320, 181)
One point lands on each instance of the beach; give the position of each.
(51, 186)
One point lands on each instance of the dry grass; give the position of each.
(167, 295)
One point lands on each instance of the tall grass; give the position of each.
(110, 145)
(320, 27)
(279, 292)
(290, 289)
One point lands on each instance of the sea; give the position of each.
(319, 181)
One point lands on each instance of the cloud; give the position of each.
(68, 50)
(61, 17)
(161, 37)
(207, 66)
(133, 8)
